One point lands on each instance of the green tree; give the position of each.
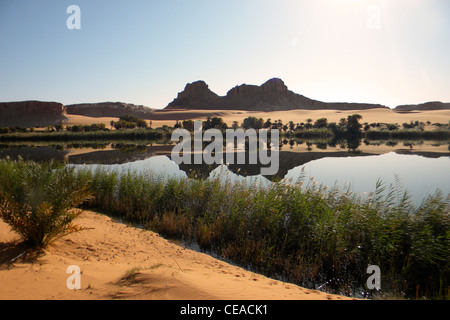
(334, 128)
(177, 125)
(128, 118)
(96, 127)
(141, 123)
(392, 126)
(253, 122)
(130, 125)
(321, 123)
(291, 125)
(280, 124)
(353, 125)
(188, 125)
(118, 125)
(214, 123)
(342, 125)
(267, 124)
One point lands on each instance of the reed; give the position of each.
(126, 134)
(413, 134)
(296, 231)
(315, 133)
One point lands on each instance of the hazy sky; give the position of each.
(144, 52)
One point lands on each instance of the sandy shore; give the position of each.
(372, 115)
(121, 262)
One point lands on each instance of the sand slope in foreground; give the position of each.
(156, 269)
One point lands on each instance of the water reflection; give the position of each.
(421, 176)
(422, 167)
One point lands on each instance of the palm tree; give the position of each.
(39, 203)
(267, 124)
(291, 125)
(308, 123)
(280, 124)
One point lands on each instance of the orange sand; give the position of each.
(111, 250)
(372, 115)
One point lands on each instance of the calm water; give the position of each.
(422, 170)
(421, 176)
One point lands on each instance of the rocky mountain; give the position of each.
(196, 94)
(109, 109)
(273, 95)
(31, 113)
(433, 105)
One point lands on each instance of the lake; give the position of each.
(420, 167)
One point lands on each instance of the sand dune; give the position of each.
(122, 262)
(163, 117)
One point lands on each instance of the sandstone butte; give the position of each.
(271, 96)
(31, 113)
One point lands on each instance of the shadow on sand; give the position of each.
(17, 252)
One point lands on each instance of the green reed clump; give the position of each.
(301, 233)
(385, 134)
(314, 133)
(38, 200)
(127, 134)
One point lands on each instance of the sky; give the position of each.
(389, 52)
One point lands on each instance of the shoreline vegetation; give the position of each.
(133, 128)
(296, 231)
